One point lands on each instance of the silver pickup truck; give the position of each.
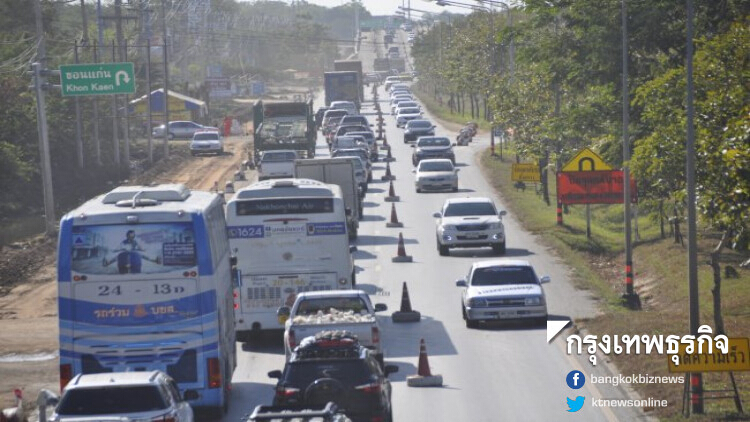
(349, 310)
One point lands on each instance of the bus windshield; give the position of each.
(126, 249)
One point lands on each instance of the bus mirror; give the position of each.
(233, 261)
(283, 311)
(352, 249)
(348, 212)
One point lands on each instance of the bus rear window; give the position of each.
(130, 249)
(282, 206)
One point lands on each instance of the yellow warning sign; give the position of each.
(525, 172)
(586, 160)
(738, 358)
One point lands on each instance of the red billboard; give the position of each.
(593, 187)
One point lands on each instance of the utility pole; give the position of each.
(50, 223)
(696, 378)
(166, 79)
(79, 128)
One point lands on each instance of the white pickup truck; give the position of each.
(276, 164)
(349, 310)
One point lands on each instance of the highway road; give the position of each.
(497, 372)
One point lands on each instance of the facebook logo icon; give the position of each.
(575, 379)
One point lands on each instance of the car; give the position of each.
(206, 142)
(349, 141)
(396, 102)
(390, 81)
(180, 129)
(437, 174)
(319, 116)
(406, 114)
(349, 106)
(331, 114)
(370, 139)
(276, 164)
(432, 147)
(404, 104)
(342, 130)
(136, 395)
(371, 78)
(471, 222)
(334, 366)
(502, 289)
(416, 127)
(362, 154)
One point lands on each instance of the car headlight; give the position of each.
(477, 302)
(533, 300)
(343, 280)
(495, 226)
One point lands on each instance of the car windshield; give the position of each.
(279, 156)
(459, 209)
(408, 104)
(335, 113)
(435, 166)
(111, 400)
(325, 304)
(409, 111)
(503, 275)
(207, 136)
(434, 142)
(420, 124)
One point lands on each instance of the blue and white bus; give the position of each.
(145, 282)
(289, 236)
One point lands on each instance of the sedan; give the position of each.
(417, 128)
(438, 174)
(432, 147)
(181, 129)
(502, 289)
(406, 114)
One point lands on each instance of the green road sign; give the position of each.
(97, 79)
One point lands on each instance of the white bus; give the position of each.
(145, 283)
(289, 236)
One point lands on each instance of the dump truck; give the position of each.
(353, 66)
(342, 86)
(284, 126)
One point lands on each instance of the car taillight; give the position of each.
(286, 392)
(165, 418)
(375, 335)
(292, 340)
(66, 373)
(214, 372)
(373, 388)
(235, 295)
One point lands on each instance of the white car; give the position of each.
(206, 142)
(406, 114)
(123, 396)
(349, 106)
(469, 223)
(502, 289)
(405, 104)
(437, 174)
(276, 164)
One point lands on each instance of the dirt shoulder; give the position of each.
(28, 288)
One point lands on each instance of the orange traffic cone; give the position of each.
(389, 156)
(424, 377)
(406, 313)
(394, 218)
(388, 175)
(401, 255)
(392, 194)
(385, 140)
(423, 368)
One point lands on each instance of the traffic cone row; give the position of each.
(392, 197)
(424, 377)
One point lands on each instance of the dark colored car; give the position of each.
(319, 116)
(416, 128)
(432, 147)
(334, 367)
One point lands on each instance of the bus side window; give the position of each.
(236, 277)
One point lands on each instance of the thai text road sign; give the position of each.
(97, 79)
(593, 187)
(738, 358)
(586, 160)
(525, 172)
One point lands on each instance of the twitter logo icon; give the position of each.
(575, 405)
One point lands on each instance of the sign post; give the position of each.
(97, 79)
